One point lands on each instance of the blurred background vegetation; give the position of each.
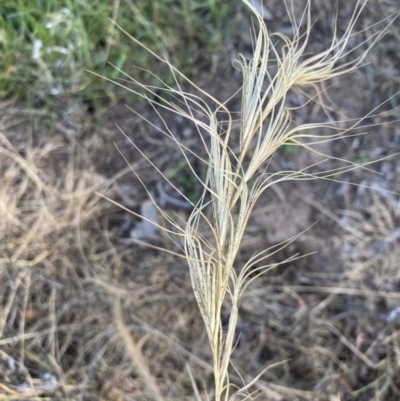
(46, 47)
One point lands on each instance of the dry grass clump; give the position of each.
(43, 256)
(67, 286)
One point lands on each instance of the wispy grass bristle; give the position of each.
(237, 171)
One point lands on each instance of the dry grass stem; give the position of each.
(237, 168)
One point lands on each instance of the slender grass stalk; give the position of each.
(237, 175)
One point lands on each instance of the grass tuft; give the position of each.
(238, 154)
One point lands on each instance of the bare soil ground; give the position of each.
(87, 313)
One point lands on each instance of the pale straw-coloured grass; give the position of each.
(237, 164)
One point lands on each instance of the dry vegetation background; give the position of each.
(87, 313)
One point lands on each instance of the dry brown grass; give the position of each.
(88, 315)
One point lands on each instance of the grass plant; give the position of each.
(238, 153)
(85, 314)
